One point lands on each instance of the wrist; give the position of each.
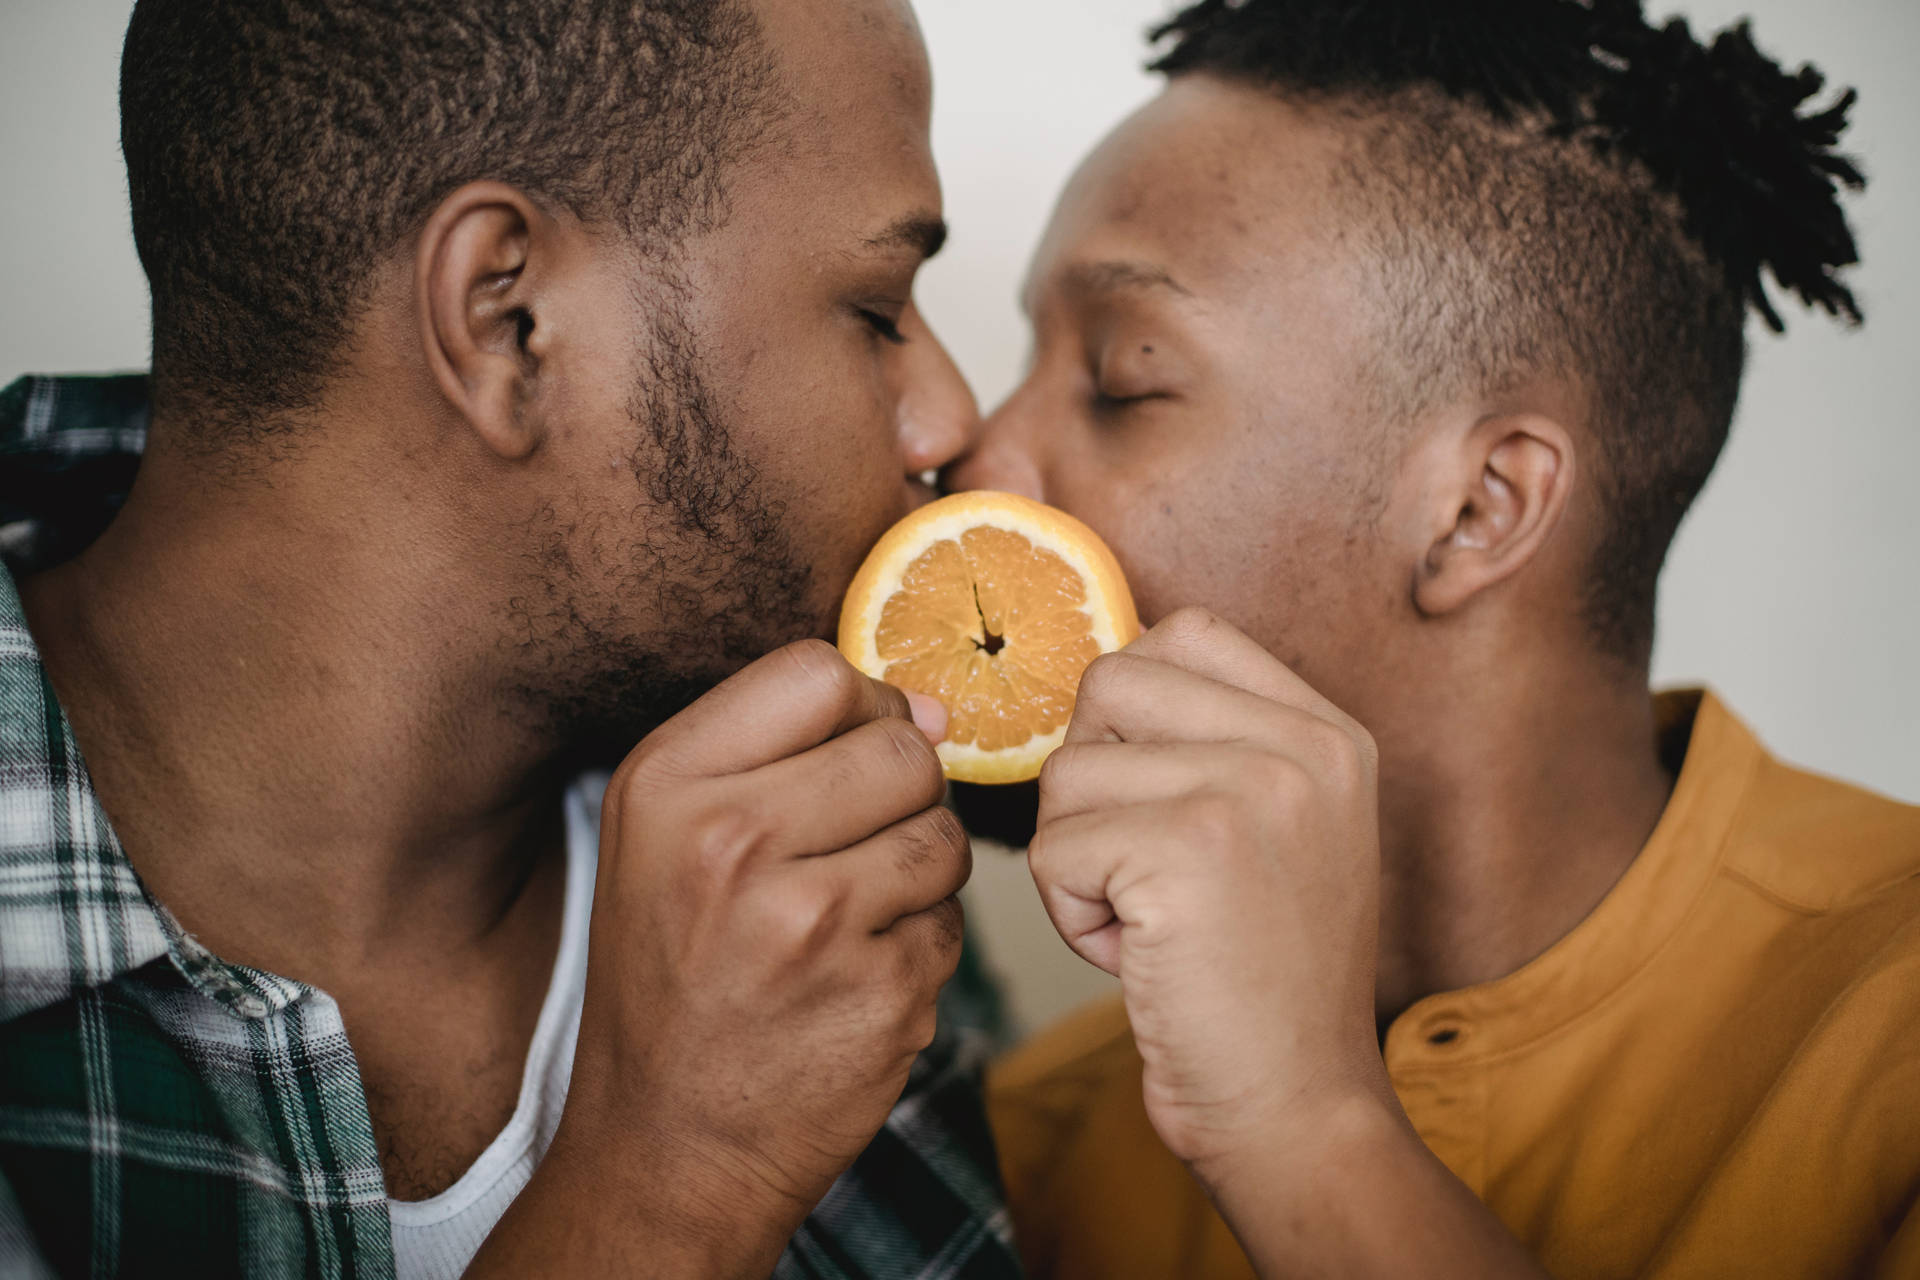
(1297, 1144)
(621, 1194)
(1348, 1188)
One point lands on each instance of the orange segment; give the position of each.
(994, 604)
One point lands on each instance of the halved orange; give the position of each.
(994, 604)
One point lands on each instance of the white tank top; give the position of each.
(436, 1239)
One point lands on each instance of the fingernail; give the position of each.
(929, 715)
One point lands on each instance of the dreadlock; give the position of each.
(1559, 186)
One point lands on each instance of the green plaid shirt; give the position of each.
(163, 1112)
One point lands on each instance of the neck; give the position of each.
(308, 757)
(1503, 831)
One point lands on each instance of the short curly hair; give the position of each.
(278, 150)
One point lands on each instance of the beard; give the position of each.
(645, 610)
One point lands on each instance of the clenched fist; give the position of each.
(1209, 833)
(774, 917)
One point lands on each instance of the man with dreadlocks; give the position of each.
(1398, 336)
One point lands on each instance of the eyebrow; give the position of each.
(925, 233)
(1110, 277)
(1092, 279)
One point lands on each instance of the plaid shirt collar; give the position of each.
(218, 1110)
(73, 914)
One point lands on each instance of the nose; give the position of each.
(1002, 456)
(938, 417)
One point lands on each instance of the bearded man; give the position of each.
(522, 370)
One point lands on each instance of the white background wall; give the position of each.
(1795, 588)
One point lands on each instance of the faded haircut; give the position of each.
(279, 150)
(1555, 187)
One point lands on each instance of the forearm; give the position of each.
(1358, 1194)
(588, 1213)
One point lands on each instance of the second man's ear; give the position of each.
(1512, 481)
(480, 311)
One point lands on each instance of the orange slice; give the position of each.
(994, 604)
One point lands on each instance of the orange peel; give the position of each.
(994, 604)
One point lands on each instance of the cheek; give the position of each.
(829, 456)
(1291, 590)
(1280, 566)
(1181, 551)
(1166, 529)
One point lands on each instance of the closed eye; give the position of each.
(1104, 403)
(886, 328)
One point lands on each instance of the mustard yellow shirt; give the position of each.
(1717, 1073)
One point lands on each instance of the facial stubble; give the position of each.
(643, 610)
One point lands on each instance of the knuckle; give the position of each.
(620, 793)
(1369, 750)
(805, 918)
(1062, 769)
(1348, 751)
(956, 844)
(633, 781)
(934, 839)
(914, 845)
(819, 664)
(841, 774)
(1334, 745)
(1105, 676)
(923, 1027)
(1041, 852)
(952, 919)
(918, 763)
(929, 950)
(900, 974)
(946, 927)
(1288, 779)
(1189, 624)
(724, 838)
(947, 832)
(1213, 818)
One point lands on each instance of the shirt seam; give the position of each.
(1773, 895)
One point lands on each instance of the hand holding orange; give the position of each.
(995, 605)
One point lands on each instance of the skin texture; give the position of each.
(1401, 711)
(331, 694)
